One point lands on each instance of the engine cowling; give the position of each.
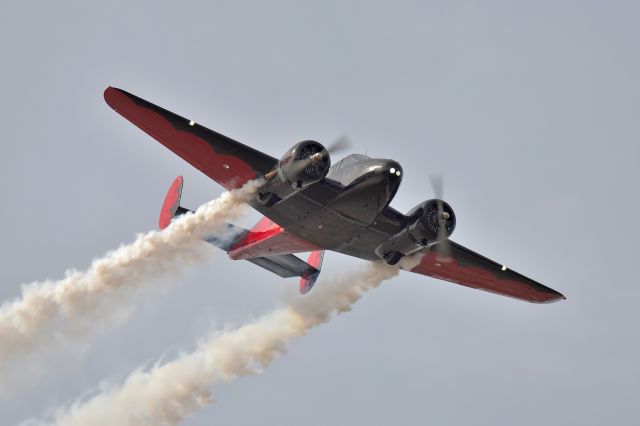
(425, 216)
(306, 163)
(423, 230)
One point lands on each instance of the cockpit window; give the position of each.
(342, 173)
(353, 158)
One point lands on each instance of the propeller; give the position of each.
(444, 245)
(340, 144)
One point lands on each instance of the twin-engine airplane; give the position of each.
(311, 206)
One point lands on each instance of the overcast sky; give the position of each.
(530, 109)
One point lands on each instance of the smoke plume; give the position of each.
(56, 311)
(166, 394)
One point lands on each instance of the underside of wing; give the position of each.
(224, 160)
(462, 266)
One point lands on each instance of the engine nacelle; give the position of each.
(423, 230)
(306, 163)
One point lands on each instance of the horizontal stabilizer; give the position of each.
(284, 265)
(226, 236)
(229, 235)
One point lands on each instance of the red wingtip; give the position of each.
(171, 202)
(111, 95)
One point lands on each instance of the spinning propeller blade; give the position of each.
(340, 144)
(437, 183)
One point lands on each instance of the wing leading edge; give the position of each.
(465, 267)
(223, 159)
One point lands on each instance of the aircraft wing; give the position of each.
(462, 266)
(224, 160)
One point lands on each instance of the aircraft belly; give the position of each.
(332, 230)
(340, 236)
(352, 220)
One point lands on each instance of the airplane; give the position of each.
(311, 206)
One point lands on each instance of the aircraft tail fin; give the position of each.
(224, 238)
(308, 280)
(171, 206)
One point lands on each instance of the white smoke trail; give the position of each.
(168, 393)
(74, 306)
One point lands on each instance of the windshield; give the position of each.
(351, 159)
(343, 173)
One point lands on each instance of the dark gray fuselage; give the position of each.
(348, 211)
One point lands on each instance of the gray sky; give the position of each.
(529, 109)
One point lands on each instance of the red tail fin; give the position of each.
(307, 282)
(171, 203)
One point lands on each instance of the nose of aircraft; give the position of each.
(390, 176)
(387, 168)
(393, 168)
(370, 188)
(391, 173)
